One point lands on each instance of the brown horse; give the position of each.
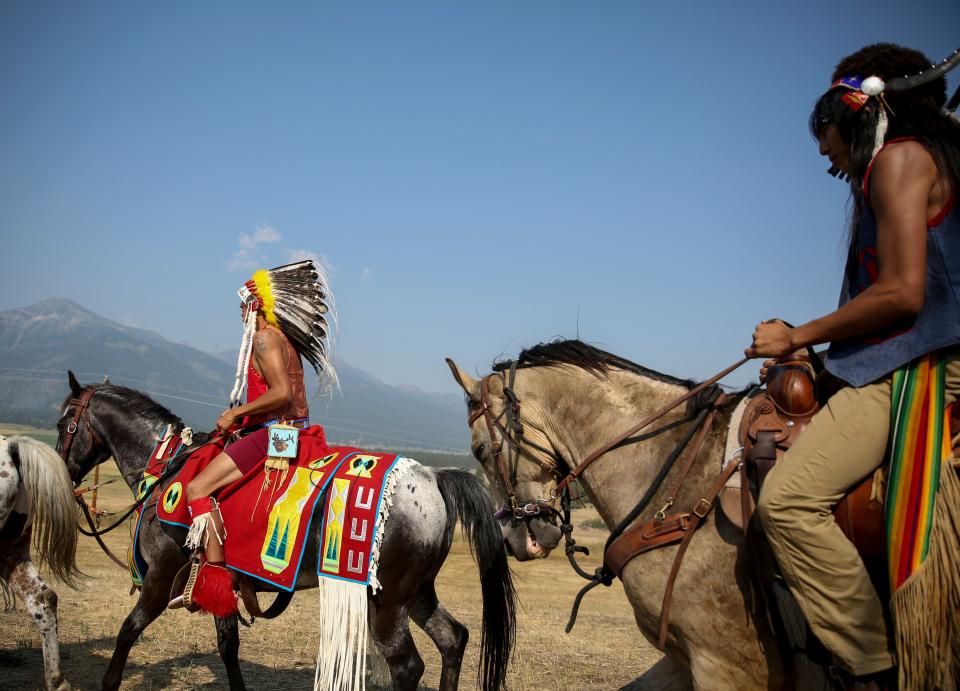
(37, 504)
(571, 399)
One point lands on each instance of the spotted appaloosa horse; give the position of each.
(36, 502)
(124, 424)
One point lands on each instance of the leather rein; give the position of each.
(81, 412)
(512, 433)
(510, 427)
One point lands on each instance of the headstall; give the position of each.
(512, 433)
(81, 409)
(510, 426)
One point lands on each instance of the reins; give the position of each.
(172, 467)
(700, 428)
(578, 471)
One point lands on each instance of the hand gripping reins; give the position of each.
(82, 409)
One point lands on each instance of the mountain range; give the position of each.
(38, 344)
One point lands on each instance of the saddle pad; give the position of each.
(268, 519)
(352, 516)
(168, 446)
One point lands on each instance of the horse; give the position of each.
(37, 502)
(569, 399)
(124, 424)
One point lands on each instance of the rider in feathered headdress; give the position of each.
(285, 312)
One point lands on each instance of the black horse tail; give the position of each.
(467, 499)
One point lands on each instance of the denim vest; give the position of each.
(866, 358)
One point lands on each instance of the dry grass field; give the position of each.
(178, 651)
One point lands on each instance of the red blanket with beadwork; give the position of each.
(268, 514)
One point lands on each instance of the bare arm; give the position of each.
(902, 180)
(269, 353)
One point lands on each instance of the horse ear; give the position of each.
(466, 382)
(75, 387)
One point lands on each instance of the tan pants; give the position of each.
(844, 443)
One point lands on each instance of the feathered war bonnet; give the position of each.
(295, 298)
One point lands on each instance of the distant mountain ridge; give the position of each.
(38, 344)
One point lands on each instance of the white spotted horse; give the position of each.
(114, 421)
(37, 504)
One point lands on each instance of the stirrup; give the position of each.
(185, 599)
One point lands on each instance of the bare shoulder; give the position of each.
(907, 158)
(266, 340)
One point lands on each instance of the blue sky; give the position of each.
(477, 177)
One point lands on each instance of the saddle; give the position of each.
(771, 422)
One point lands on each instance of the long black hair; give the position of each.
(917, 113)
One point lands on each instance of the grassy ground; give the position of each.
(178, 651)
(48, 436)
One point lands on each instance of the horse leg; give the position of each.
(41, 603)
(152, 602)
(449, 635)
(391, 633)
(228, 644)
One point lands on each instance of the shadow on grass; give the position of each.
(84, 665)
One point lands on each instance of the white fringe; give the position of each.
(196, 536)
(342, 659)
(389, 488)
(243, 358)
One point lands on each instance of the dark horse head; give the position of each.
(98, 421)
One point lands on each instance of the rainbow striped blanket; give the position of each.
(919, 444)
(923, 529)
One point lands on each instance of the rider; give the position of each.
(900, 301)
(283, 312)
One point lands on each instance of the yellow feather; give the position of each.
(262, 280)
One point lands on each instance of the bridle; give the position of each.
(510, 426)
(700, 426)
(81, 413)
(81, 409)
(510, 412)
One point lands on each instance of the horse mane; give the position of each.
(587, 357)
(137, 403)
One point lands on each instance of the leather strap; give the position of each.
(700, 511)
(81, 406)
(694, 453)
(645, 537)
(661, 529)
(576, 472)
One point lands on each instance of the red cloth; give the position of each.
(249, 451)
(297, 408)
(267, 524)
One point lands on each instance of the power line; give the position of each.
(408, 436)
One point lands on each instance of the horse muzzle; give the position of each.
(530, 538)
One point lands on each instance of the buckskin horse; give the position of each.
(541, 421)
(36, 501)
(108, 420)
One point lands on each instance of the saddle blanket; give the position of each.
(268, 514)
(168, 446)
